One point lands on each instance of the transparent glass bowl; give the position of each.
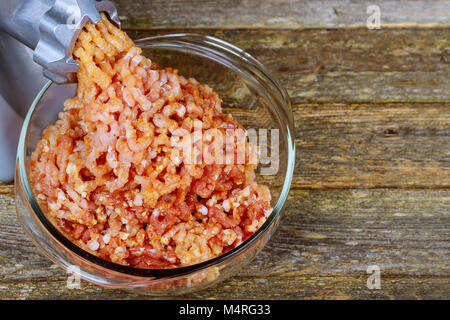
(249, 91)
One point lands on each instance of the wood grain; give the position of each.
(372, 145)
(348, 65)
(322, 248)
(145, 14)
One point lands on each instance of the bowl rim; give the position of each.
(179, 39)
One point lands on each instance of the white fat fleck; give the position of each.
(40, 196)
(138, 199)
(226, 205)
(93, 245)
(244, 193)
(81, 189)
(106, 238)
(211, 202)
(176, 160)
(253, 227)
(124, 221)
(180, 132)
(61, 213)
(71, 168)
(61, 196)
(174, 141)
(111, 158)
(208, 137)
(54, 206)
(181, 111)
(203, 210)
(119, 250)
(146, 105)
(229, 236)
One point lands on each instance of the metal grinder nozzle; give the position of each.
(51, 28)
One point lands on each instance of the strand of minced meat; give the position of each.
(105, 171)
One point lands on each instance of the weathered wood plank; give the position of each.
(322, 248)
(349, 65)
(144, 14)
(306, 287)
(362, 145)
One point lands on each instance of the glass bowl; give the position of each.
(248, 90)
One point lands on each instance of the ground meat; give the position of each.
(112, 172)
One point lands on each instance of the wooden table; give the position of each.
(372, 172)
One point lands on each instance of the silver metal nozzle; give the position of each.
(51, 28)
